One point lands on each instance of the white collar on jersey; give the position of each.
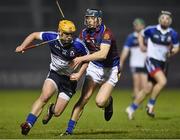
(161, 30)
(58, 37)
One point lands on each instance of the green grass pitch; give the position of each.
(16, 104)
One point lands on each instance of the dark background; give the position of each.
(21, 17)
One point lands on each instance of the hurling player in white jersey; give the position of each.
(61, 78)
(137, 57)
(163, 42)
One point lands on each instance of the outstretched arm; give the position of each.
(99, 55)
(27, 41)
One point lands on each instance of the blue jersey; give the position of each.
(93, 40)
(156, 34)
(131, 41)
(137, 57)
(160, 41)
(61, 55)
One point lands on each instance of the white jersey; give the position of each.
(160, 41)
(137, 57)
(157, 51)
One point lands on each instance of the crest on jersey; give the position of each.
(169, 39)
(106, 36)
(156, 36)
(72, 53)
(163, 38)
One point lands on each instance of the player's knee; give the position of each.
(100, 103)
(141, 94)
(44, 98)
(84, 100)
(136, 91)
(163, 82)
(147, 88)
(57, 113)
(146, 91)
(81, 103)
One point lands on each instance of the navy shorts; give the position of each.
(63, 83)
(153, 65)
(138, 70)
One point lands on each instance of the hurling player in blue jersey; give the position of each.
(61, 78)
(102, 69)
(137, 57)
(163, 42)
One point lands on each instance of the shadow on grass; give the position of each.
(92, 133)
(163, 118)
(167, 118)
(100, 132)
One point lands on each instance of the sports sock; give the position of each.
(152, 102)
(134, 106)
(71, 125)
(31, 118)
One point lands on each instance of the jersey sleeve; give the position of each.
(46, 36)
(80, 47)
(128, 42)
(107, 37)
(146, 32)
(175, 39)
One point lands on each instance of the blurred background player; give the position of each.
(137, 57)
(60, 77)
(102, 69)
(162, 42)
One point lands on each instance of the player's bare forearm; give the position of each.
(174, 51)
(141, 43)
(78, 75)
(123, 57)
(27, 41)
(99, 55)
(83, 68)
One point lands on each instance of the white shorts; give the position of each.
(100, 75)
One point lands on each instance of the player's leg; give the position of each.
(56, 109)
(67, 89)
(105, 100)
(47, 91)
(136, 84)
(87, 91)
(61, 104)
(147, 87)
(144, 83)
(143, 80)
(161, 81)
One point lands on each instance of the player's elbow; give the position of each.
(35, 35)
(103, 56)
